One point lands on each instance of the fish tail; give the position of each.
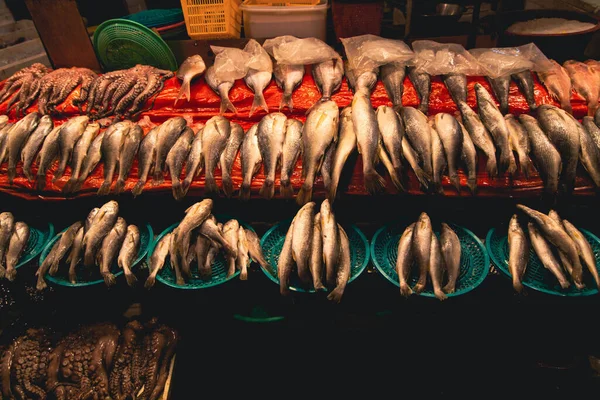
(109, 279)
(374, 183)
(405, 290)
(565, 104)
(305, 194)
(70, 185)
(284, 289)
(419, 287)
(286, 101)
(210, 186)
(72, 276)
(88, 257)
(150, 282)
(267, 190)
(12, 173)
(120, 186)
(439, 294)
(285, 189)
(59, 173)
(244, 274)
(226, 104)
(245, 192)
(472, 184)
(455, 182)
(54, 267)
(579, 284)
(27, 172)
(227, 186)
(184, 90)
(449, 288)
(104, 188)
(263, 263)
(491, 167)
(177, 190)
(3, 272)
(526, 166)
(336, 295)
(258, 102)
(564, 283)
(395, 175)
(517, 285)
(185, 186)
(41, 284)
(318, 284)
(11, 274)
(138, 188)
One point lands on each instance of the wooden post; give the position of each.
(63, 33)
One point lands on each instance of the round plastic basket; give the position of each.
(536, 276)
(38, 238)
(91, 276)
(272, 243)
(121, 44)
(157, 17)
(474, 260)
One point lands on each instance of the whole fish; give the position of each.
(501, 88)
(175, 257)
(250, 159)
(584, 82)
(292, 147)
(302, 240)
(202, 247)
(17, 136)
(345, 146)
(75, 254)
(34, 143)
(405, 260)
(101, 225)
(145, 155)
(451, 252)
(243, 258)
(558, 83)
(480, 136)
(392, 76)
(547, 159)
(327, 166)
(189, 258)
(469, 158)
(214, 231)
(285, 263)
(328, 76)
(47, 155)
(166, 136)
(211, 255)
(518, 252)
(544, 252)
(231, 233)
(589, 154)
(157, 259)
(90, 218)
(519, 143)
(114, 137)
(421, 247)
(221, 88)
(316, 254)
(195, 216)
(7, 226)
(413, 160)
(70, 132)
(422, 83)
(495, 124)
(257, 81)
(320, 129)
(44, 267)
(271, 136)
(175, 159)
(343, 268)
(457, 86)
(331, 241)
(17, 244)
(592, 130)
(451, 135)
(392, 131)
(438, 160)
(192, 67)
(236, 137)
(288, 78)
(128, 253)
(214, 140)
(436, 268)
(91, 160)
(564, 259)
(3, 141)
(195, 161)
(80, 152)
(255, 251)
(583, 246)
(418, 134)
(66, 242)
(131, 144)
(524, 80)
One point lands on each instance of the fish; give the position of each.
(457, 86)
(316, 254)
(243, 259)
(438, 160)
(418, 134)
(589, 154)
(451, 252)
(45, 266)
(211, 255)
(288, 77)
(257, 81)
(328, 76)
(585, 250)
(365, 82)
(194, 217)
(250, 159)
(392, 76)
(230, 234)
(584, 83)
(214, 140)
(564, 135)
(592, 130)
(436, 268)
(214, 231)
(421, 247)
(70, 132)
(111, 147)
(391, 127)
(271, 136)
(16, 139)
(128, 253)
(7, 226)
(3, 141)
(343, 268)
(422, 83)
(80, 152)
(547, 159)
(195, 161)
(255, 251)
(146, 153)
(480, 137)
(131, 145)
(285, 263)
(494, 122)
(191, 68)
(90, 218)
(544, 252)
(102, 224)
(202, 247)
(405, 260)
(221, 88)
(16, 245)
(327, 166)
(34, 143)
(345, 146)
(234, 141)
(518, 248)
(166, 136)
(368, 136)
(524, 80)
(468, 156)
(331, 241)
(501, 88)
(292, 147)
(66, 242)
(175, 256)
(519, 143)
(75, 254)
(451, 136)
(413, 159)
(189, 259)
(558, 83)
(175, 159)
(564, 259)
(157, 259)
(91, 160)
(301, 245)
(47, 155)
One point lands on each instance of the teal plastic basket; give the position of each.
(157, 17)
(91, 276)
(38, 238)
(474, 260)
(272, 243)
(219, 267)
(537, 277)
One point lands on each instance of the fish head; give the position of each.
(133, 230)
(192, 65)
(514, 223)
(6, 218)
(346, 113)
(111, 206)
(424, 220)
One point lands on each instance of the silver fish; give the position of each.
(157, 260)
(285, 264)
(175, 256)
(202, 247)
(70, 132)
(195, 216)
(3, 141)
(214, 231)
(519, 143)
(114, 137)
(589, 154)
(585, 250)
(17, 136)
(417, 132)
(166, 136)
(327, 166)
(421, 247)
(146, 154)
(393, 75)
(436, 269)
(231, 234)
(525, 83)
(257, 81)
(343, 268)
(451, 135)
(469, 158)
(345, 146)
(80, 152)
(243, 258)
(288, 78)
(221, 88)
(451, 252)
(66, 241)
(34, 143)
(250, 159)
(391, 127)
(301, 245)
(544, 252)
(101, 225)
(7, 226)
(175, 159)
(214, 140)
(501, 88)
(480, 136)
(457, 86)
(518, 252)
(271, 136)
(316, 254)
(48, 153)
(558, 83)
(328, 76)
(422, 84)
(192, 67)
(413, 159)
(564, 259)
(17, 244)
(91, 160)
(128, 253)
(331, 241)
(438, 160)
(131, 144)
(292, 147)
(405, 260)
(195, 161)
(255, 251)
(75, 254)
(368, 136)
(236, 137)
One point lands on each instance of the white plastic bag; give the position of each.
(271, 44)
(503, 61)
(294, 51)
(259, 58)
(368, 52)
(444, 58)
(230, 63)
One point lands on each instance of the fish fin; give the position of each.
(41, 284)
(455, 182)
(512, 164)
(374, 183)
(305, 194)
(11, 274)
(336, 295)
(472, 185)
(104, 188)
(245, 192)
(158, 178)
(286, 101)
(12, 173)
(150, 282)
(267, 190)
(419, 287)
(70, 185)
(449, 288)
(54, 267)
(517, 285)
(184, 90)
(119, 186)
(491, 167)
(72, 276)
(226, 104)
(440, 295)
(210, 186)
(286, 190)
(227, 187)
(109, 279)
(185, 185)
(138, 188)
(258, 102)
(244, 275)
(395, 176)
(177, 190)
(405, 290)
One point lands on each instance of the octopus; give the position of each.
(120, 382)
(159, 351)
(28, 373)
(22, 83)
(55, 87)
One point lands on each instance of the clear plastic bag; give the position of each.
(294, 51)
(444, 58)
(368, 52)
(259, 58)
(497, 62)
(230, 63)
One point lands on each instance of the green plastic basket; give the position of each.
(272, 243)
(474, 260)
(38, 238)
(219, 267)
(91, 276)
(536, 276)
(157, 17)
(121, 44)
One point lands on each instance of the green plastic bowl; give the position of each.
(91, 276)
(272, 243)
(474, 260)
(121, 44)
(219, 267)
(157, 17)
(38, 238)
(536, 276)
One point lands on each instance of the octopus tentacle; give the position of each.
(165, 361)
(10, 88)
(128, 99)
(121, 88)
(86, 83)
(25, 100)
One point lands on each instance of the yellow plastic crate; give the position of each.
(281, 3)
(212, 19)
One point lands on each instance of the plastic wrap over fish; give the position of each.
(294, 51)
(367, 52)
(502, 61)
(444, 58)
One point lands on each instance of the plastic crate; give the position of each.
(281, 3)
(212, 19)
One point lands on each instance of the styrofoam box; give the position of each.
(263, 22)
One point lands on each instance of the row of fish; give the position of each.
(200, 238)
(552, 239)
(13, 240)
(317, 249)
(100, 240)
